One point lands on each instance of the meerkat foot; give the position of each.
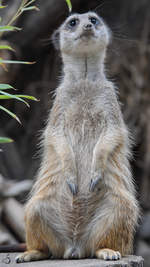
(31, 255)
(73, 187)
(94, 182)
(108, 254)
(71, 253)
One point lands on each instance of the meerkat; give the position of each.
(83, 202)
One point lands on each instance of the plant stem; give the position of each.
(23, 4)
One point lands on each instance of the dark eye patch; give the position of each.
(94, 20)
(73, 22)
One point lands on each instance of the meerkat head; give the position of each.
(82, 33)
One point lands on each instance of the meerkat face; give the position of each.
(82, 33)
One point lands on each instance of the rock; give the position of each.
(5, 236)
(13, 216)
(18, 188)
(143, 249)
(144, 231)
(129, 261)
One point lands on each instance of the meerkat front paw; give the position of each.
(73, 187)
(32, 255)
(108, 254)
(95, 181)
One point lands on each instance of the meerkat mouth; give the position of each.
(87, 35)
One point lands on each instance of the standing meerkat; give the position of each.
(83, 202)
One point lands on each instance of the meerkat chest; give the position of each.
(84, 117)
(81, 112)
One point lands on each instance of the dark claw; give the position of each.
(73, 188)
(74, 254)
(19, 260)
(94, 182)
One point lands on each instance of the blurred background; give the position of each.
(128, 65)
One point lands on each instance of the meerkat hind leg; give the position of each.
(107, 254)
(32, 255)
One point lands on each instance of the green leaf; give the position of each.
(69, 5)
(30, 8)
(10, 113)
(20, 96)
(11, 96)
(9, 28)
(6, 47)
(4, 97)
(15, 62)
(29, 3)
(28, 97)
(5, 140)
(4, 86)
(2, 6)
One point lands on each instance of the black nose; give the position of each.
(88, 26)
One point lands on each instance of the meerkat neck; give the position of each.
(90, 67)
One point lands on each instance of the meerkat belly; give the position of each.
(83, 130)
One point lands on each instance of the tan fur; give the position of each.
(83, 202)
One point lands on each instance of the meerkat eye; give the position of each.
(94, 21)
(73, 22)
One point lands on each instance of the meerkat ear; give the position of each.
(56, 39)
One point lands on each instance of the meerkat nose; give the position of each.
(87, 27)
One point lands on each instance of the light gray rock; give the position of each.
(5, 236)
(130, 261)
(143, 249)
(144, 231)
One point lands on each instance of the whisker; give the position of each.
(47, 41)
